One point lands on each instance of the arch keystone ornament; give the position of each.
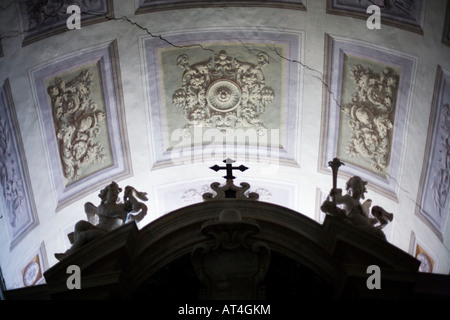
(234, 265)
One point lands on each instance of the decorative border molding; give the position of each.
(145, 6)
(51, 19)
(426, 197)
(106, 56)
(335, 49)
(155, 99)
(17, 201)
(358, 10)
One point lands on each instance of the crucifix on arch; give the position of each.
(229, 168)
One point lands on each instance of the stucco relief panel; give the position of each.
(223, 92)
(368, 102)
(81, 112)
(434, 197)
(366, 110)
(209, 90)
(17, 204)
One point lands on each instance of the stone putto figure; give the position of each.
(109, 215)
(349, 208)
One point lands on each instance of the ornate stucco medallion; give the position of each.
(223, 92)
(223, 95)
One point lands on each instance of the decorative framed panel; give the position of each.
(417, 249)
(157, 5)
(82, 117)
(365, 110)
(405, 14)
(17, 203)
(207, 88)
(434, 197)
(32, 273)
(41, 19)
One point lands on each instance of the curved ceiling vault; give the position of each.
(153, 93)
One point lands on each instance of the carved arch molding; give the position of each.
(286, 254)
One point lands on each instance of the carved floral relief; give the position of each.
(82, 117)
(223, 92)
(79, 119)
(17, 204)
(370, 115)
(10, 178)
(214, 93)
(366, 109)
(433, 196)
(441, 176)
(195, 195)
(210, 94)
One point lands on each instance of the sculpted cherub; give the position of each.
(354, 211)
(109, 215)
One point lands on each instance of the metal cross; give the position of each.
(229, 168)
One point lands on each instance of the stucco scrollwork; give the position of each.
(370, 115)
(194, 195)
(77, 121)
(223, 92)
(10, 179)
(441, 181)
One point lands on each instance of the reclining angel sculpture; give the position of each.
(109, 215)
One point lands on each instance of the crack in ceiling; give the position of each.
(318, 75)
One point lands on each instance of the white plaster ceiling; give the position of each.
(166, 85)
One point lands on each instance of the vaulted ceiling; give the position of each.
(153, 93)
